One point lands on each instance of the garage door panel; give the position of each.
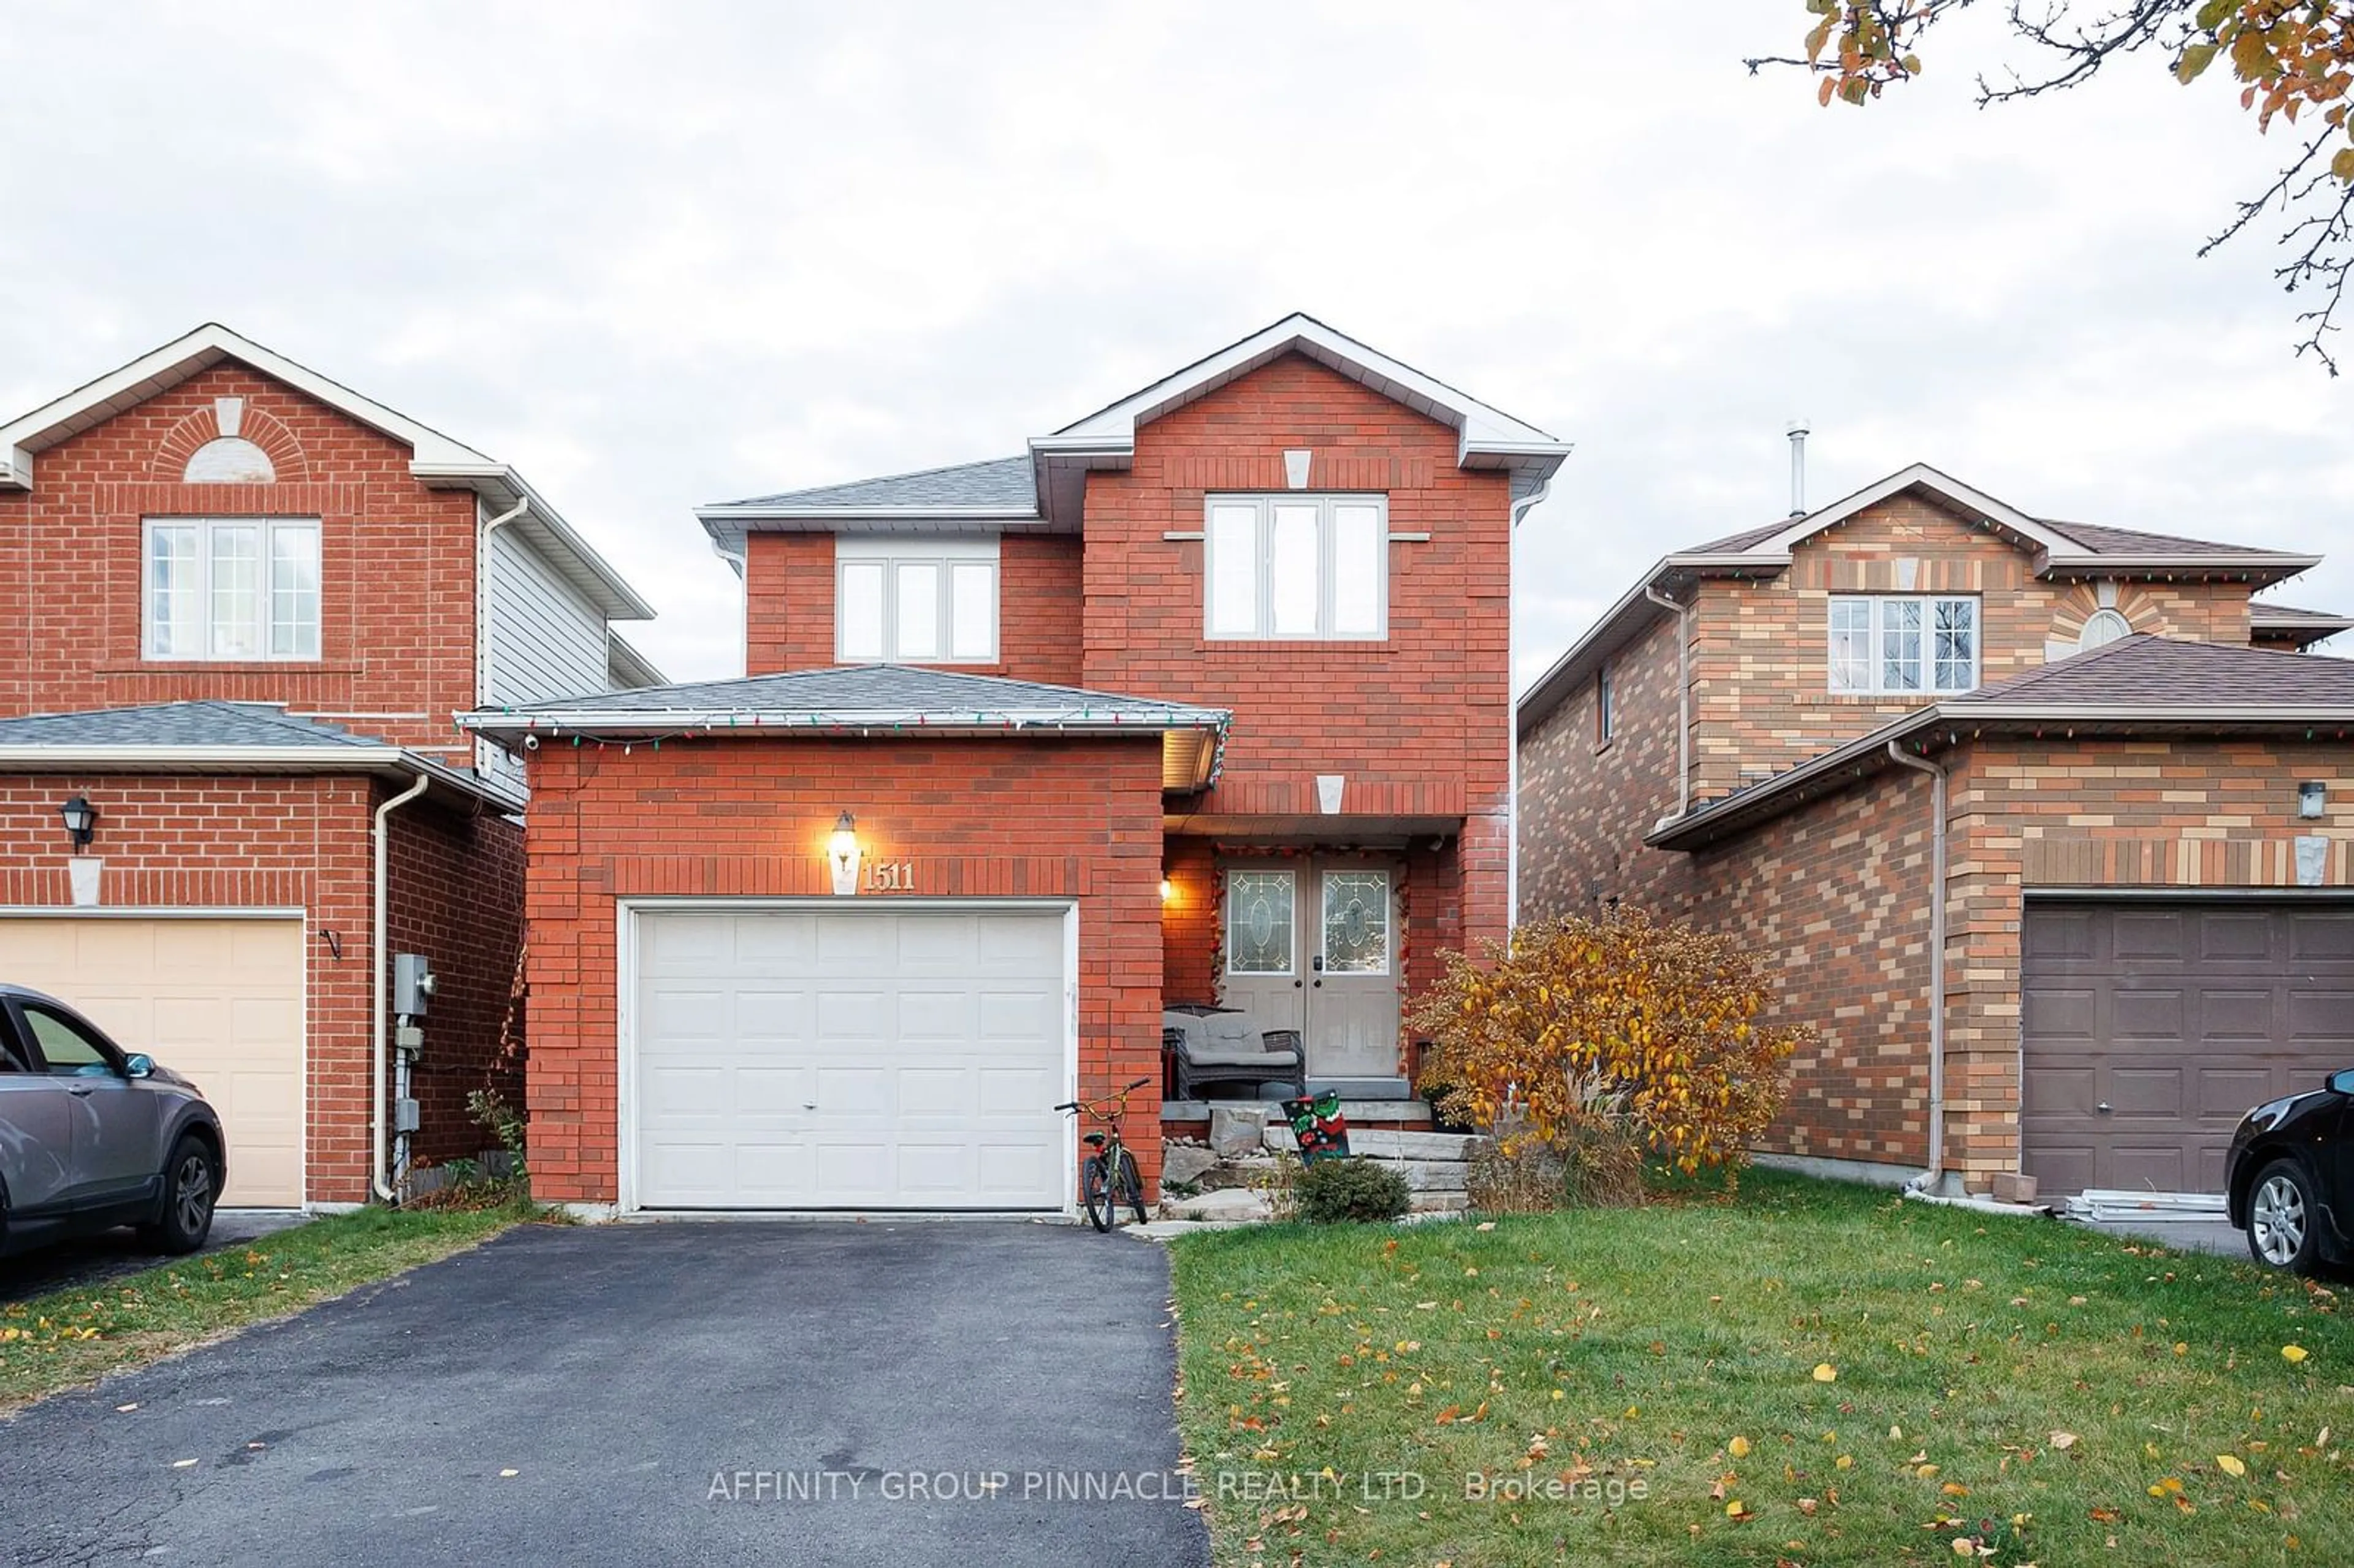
(2264, 996)
(220, 1000)
(2236, 938)
(2229, 1015)
(687, 1014)
(2143, 935)
(2320, 937)
(2057, 1012)
(2153, 1014)
(864, 1058)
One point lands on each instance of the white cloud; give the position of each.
(661, 255)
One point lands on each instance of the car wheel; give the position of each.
(191, 1187)
(2282, 1221)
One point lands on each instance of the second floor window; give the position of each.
(1894, 644)
(915, 601)
(231, 588)
(1605, 701)
(1297, 566)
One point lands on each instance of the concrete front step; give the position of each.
(1387, 1143)
(1373, 1111)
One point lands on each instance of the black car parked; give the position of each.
(92, 1136)
(2292, 1178)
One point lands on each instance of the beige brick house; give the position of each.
(2084, 765)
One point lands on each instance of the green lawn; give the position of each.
(70, 1338)
(1813, 1373)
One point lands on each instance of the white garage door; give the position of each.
(861, 1058)
(219, 1001)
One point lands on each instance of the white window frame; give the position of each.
(1875, 665)
(1262, 537)
(269, 529)
(947, 556)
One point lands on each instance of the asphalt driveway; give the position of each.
(948, 1392)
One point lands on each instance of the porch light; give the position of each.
(81, 821)
(1168, 890)
(842, 854)
(2312, 796)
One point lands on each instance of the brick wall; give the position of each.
(1585, 803)
(397, 559)
(456, 896)
(1761, 697)
(290, 843)
(2183, 813)
(1417, 723)
(788, 607)
(1076, 819)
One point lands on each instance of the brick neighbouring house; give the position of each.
(2142, 935)
(244, 610)
(1292, 561)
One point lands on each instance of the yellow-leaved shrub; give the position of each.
(1657, 1030)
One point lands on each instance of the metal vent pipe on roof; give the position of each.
(1798, 434)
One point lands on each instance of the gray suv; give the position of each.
(92, 1136)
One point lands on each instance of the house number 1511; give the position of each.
(891, 876)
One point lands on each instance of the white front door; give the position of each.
(856, 1057)
(1311, 944)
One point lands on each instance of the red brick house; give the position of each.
(2046, 825)
(1203, 697)
(245, 604)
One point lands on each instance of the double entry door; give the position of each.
(1311, 944)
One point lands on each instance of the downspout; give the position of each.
(483, 599)
(1521, 509)
(1683, 695)
(741, 559)
(380, 961)
(1932, 1179)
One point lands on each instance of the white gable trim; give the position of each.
(161, 369)
(1484, 432)
(1920, 473)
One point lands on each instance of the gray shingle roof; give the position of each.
(203, 724)
(999, 483)
(2096, 538)
(864, 689)
(2143, 671)
(2265, 612)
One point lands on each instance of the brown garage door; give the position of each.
(2150, 1028)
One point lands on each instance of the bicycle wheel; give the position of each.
(1131, 1185)
(1096, 1192)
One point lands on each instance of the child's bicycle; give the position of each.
(1110, 1177)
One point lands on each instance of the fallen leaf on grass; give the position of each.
(2293, 1354)
(1825, 1373)
(2063, 1441)
(2231, 1465)
(1738, 1447)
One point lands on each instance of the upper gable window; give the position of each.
(915, 600)
(229, 460)
(231, 588)
(1895, 645)
(1297, 566)
(2104, 625)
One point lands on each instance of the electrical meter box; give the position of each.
(413, 983)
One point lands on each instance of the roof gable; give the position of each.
(435, 459)
(1484, 432)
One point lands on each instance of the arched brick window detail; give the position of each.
(229, 441)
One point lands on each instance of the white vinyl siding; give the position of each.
(1902, 644)
(918, 601)
(230, 588)
(1295, 567)
(545, 640)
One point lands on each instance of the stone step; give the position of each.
(1356, 1111)
(1388, 1143)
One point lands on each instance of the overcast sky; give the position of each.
(662, 254)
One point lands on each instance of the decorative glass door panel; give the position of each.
(1312, 945)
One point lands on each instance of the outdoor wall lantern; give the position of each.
(1168, 890)
(2311, 796)
(842, 854)
(81, 821)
